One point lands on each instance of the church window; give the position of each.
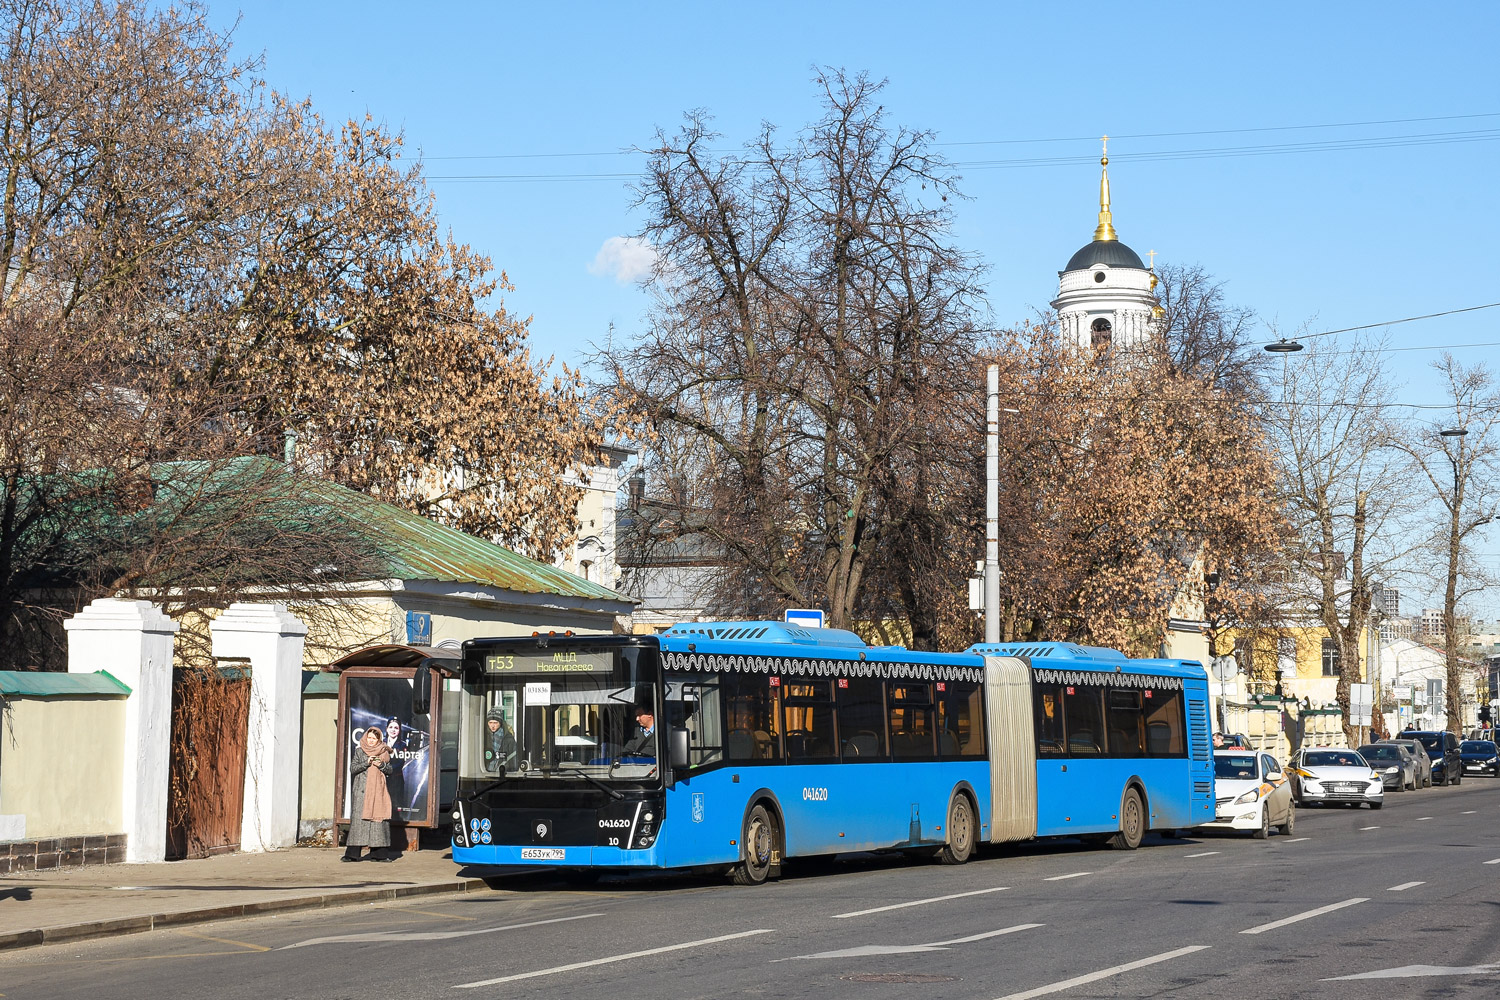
(1100, 335)
(1099, 276)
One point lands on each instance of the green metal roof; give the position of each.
(416, 548)
(51, 684)
(319, 682)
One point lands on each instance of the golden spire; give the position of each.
(1105, 230)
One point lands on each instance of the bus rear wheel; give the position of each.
(758, 846)
(960, 845)
(1132, 822)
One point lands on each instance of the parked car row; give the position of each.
(1253, 792)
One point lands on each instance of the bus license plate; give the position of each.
(542, 854)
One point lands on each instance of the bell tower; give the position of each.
(1105, 296)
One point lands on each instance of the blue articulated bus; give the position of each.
(735, 745)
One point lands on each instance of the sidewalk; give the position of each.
(69, 904)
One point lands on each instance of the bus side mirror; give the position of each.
(421, 690)
(677, 748)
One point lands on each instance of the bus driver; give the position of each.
(643, 745)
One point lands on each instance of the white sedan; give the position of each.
(1251, 792)
(1336, 775)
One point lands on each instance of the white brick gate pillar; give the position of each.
(270, 638)
(133, 641)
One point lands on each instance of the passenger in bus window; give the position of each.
(501, 751)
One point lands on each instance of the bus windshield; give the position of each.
(580, 713)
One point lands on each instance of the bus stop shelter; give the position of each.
(375, 689)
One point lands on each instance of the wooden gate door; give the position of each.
(210, 721)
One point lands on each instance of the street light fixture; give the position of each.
(1284, 346)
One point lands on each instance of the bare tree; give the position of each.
(812, 316)
(1123, 480)
(228, 238)
(1343, 488)
(198, 270)
(1467, 445)
(1206, 336)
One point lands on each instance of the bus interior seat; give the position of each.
(948, 743)
(909, 745)
(1082, 742)
(864, 744)
(1158, 737)
(798, 743)
(739, 745)
(765, 744)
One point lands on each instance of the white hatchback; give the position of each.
(1336, 775)
(1251, 792)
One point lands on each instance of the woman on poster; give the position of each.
(369, 798)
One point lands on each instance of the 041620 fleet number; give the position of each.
(814, 795)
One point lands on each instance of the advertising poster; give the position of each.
(385, 702)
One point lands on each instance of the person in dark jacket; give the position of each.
(500, 750)
(644, 744)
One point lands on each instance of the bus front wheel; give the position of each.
(759, 848)
(960, 843)
(1132, 822)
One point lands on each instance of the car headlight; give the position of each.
(1392, 770)
(1250, 796)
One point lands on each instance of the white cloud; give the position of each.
(626, 258)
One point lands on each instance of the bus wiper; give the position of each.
(491, 786)
(613, 793)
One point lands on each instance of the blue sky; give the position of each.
(1336, 237)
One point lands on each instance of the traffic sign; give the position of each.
(806, 617)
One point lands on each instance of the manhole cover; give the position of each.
(899, 977)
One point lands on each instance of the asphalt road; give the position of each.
(1404, 902)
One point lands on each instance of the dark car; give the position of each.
(1419, 755)
(1442, 749)
(1393, 762)
(1480, 757)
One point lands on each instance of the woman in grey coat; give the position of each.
(369, 765)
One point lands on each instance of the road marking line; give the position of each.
(1468, 812)
(431, 913)
(1495, 862)
(986, 934)
(1404, 886)
(1059, 878)
(612, 958)
(1202, 855)
(873, 950)
(1364, 828)
(219, 940)
(1296, 840)
(918, 902)
(1261, 929)
(1423, 971)
(427, 935)
(1092, 977)
(1422, 818)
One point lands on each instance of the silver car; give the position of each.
(1419, 755)
(1335, 775)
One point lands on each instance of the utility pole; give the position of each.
(992, 510)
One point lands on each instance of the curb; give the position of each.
(177, 918)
